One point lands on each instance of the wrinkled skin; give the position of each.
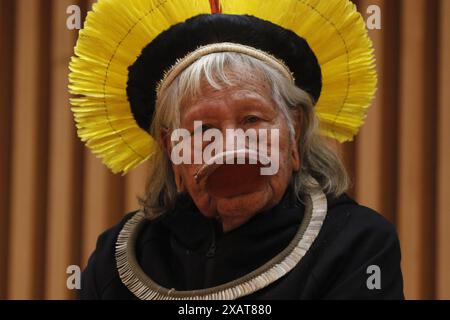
(226, 195)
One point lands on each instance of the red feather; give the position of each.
(215, 6)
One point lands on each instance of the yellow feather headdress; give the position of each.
(116, 31)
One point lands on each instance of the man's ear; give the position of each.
(296, 159)
(164, 140)
(178, 178)
(295, 153)
(298, 122)
(166, 145)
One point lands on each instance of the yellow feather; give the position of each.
(337, 35)
(115, 33)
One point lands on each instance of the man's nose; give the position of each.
(235, 137)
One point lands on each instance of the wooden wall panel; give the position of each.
(369, 141)
(65, 164)
(443, 168)
(29, 154)
(6, 65)
(103, 203)
(416, 147)
(376, 143)
(56, 198)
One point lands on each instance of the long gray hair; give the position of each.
(318, 160)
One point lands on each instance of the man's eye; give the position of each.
(252, 119)
(206, 127)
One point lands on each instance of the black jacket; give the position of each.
(185, 251)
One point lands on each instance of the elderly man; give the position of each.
(244, 199)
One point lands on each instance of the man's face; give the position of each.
(235, 192)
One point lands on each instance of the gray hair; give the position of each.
(318, 160)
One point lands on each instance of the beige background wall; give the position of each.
(55, 198)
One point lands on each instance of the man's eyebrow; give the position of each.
(251, 102)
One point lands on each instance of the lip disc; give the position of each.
(229, 180)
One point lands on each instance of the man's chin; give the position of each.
(246, 204)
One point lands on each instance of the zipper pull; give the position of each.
(212, 248)
(211, 251)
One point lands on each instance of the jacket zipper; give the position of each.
(210, 261)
